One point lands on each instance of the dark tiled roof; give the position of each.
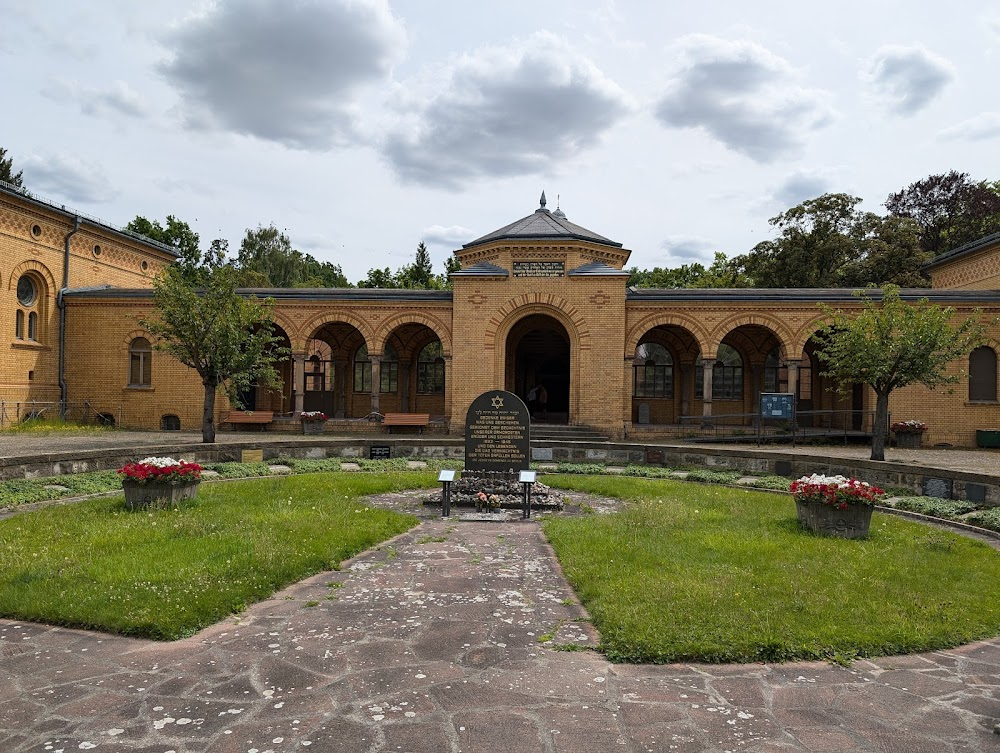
(70, 214)
(543, 225)
(482, 269)
(286, 294)
(968, 248)
(598, 269)
(799, 295)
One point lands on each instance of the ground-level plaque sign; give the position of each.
(497, 433)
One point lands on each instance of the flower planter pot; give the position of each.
(909, 440)
(827, 520)
(313, 427)
(155, 495)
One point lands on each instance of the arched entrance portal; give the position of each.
(538, 353)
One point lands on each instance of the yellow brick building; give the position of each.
(539, 301)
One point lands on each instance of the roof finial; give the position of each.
(559, 212)
(541, 202)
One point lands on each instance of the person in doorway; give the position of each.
(542, 399)
(532, 400)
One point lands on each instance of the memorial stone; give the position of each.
(497, 430)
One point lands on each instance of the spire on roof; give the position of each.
(541, 204)
(559, 212)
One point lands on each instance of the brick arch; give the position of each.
(776, 326)
(433, 323)
(32, 266)
(285, 323)
(307, 330)
(805, 332)
(515, 309)
(130, 336)
(664, 319)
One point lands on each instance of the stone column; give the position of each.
(449, 394)
(685, 389)
(340, 388)
(299, 360)
(628, 392)
(707, 364)
(376, 380)
(404, 387)
(793, 377)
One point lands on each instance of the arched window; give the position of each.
(389, 371)
(653, 371)
(983, 375)
(430, 369)
(140, 363)
(28, 297)
(362, 370)
(727, 375)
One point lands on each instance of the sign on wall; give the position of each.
(779, 405)
(539, 269)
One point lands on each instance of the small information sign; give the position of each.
(539, 269)
(252, 456)
(778, 405)
(380, 452)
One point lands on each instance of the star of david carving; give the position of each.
(498, 402)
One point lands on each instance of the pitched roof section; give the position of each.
(968, 248)
(543, 225)
(482, 269)
(597, 269)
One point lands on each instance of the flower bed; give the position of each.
(159, 482)
(909, 427)
(312, 416)
(835, 505)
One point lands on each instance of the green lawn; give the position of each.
(695, 573)
(168, 573)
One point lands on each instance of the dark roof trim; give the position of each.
(968, 248)
(33, 198)
(597, 269)
(805, 295)
(285, 294)
(543, 225)
(482, 269)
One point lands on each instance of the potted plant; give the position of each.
(909, 434)
(313, 421)
(159, 482)
(835, 505)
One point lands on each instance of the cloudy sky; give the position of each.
(362, 127)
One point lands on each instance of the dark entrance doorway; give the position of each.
(538, 353)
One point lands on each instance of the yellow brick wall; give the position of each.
(32, 241)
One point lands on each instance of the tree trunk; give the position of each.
(208, 413)
(881, 428)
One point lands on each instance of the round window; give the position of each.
(97, 250)
(144, 265)
(36, 230)
(26, 291)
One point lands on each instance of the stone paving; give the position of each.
(442, 641)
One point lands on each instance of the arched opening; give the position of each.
(337, 377)
(538, 355)
(663, 388)
(280, 398)
(413, 354)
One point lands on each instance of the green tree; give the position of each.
(420, 274)
(723, 273)
(267, 259)
(227, 338)
(827, 242)
(950, 208)
(380, 278)
(7, 173)
(890, 344)
(176, 234)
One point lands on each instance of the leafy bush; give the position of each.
(311, 465)
(239, 470)
(986, 519)
(714, 477)
(937, 508)
(648, 471)
(774, 483)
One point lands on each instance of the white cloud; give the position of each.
(800, 186)
(687, 249)
(980, 128)
(287, 71)
(451, 236)
(503, 111)
(908, 78)
(115, 101)
(742, 95)
(66, 175)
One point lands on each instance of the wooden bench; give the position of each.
(420, 420)
(249, 417)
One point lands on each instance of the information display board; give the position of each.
(777, 405)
